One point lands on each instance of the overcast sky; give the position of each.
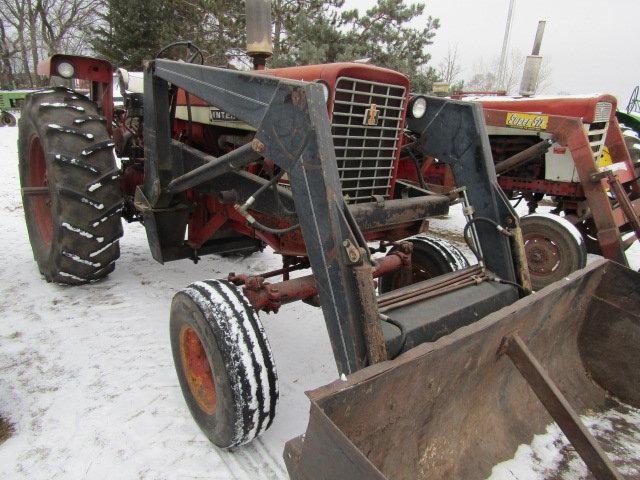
(592, 45)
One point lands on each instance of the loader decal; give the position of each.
(527, 121)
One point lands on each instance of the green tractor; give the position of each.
(10, 102)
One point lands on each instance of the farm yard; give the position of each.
(88, 384)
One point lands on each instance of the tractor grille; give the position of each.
(366, 129)
(597, 133)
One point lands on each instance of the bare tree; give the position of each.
(8, 50)
(63, 22)
(13, 14)
(484, 77)
(34, 29)
(449, 68)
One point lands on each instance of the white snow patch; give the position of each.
(96, 205)
(72, 276)
(551, 455)
(98, 252)
(62, 105)
(630, 133)
(106, 217)
(78, 259)
(94, 186)
(79, 231)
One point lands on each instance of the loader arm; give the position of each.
(453, 131)
(293, 131)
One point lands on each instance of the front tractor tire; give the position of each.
(554, 248)
(71, 198)
(224, 362)
(430, 258)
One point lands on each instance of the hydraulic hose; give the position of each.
(469, 242)
(243, 209)
(471, 246)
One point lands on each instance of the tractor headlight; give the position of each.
(325, 90)
(418, 107)
(65, 70)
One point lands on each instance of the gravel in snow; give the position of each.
(87, 379)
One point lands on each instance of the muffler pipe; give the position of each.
(258, 20)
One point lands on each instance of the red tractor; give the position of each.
(301, 159)
(571, 150)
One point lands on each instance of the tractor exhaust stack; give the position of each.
(259, 44)
(532, 65)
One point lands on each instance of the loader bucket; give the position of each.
(454, 408)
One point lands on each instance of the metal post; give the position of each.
(505, 44)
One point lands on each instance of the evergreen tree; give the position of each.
(132, 31)
(304, 32)
(317, 32)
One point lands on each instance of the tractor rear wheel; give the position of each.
(7, 120)
(430, 258)
(554, 248)
(223, 361)
(72, 201)
(632, 140)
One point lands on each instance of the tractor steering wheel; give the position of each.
(192, 51)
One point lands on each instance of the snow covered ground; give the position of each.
(86, 375)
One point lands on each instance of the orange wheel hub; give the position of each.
(197, 370)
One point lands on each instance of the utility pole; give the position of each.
(505, 45)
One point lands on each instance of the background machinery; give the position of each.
(11, 101)
(550, 147)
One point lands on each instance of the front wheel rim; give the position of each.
(197, 370)
(543, 255)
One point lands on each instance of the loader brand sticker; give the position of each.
(371, 115)
(528, 121)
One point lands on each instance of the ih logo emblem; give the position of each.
(371, 115)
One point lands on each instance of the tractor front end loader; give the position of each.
(216, 160)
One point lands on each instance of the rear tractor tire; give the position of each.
(632, 141)
(554, 248)
(224, 362)
(71, 198)
(430, 258)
